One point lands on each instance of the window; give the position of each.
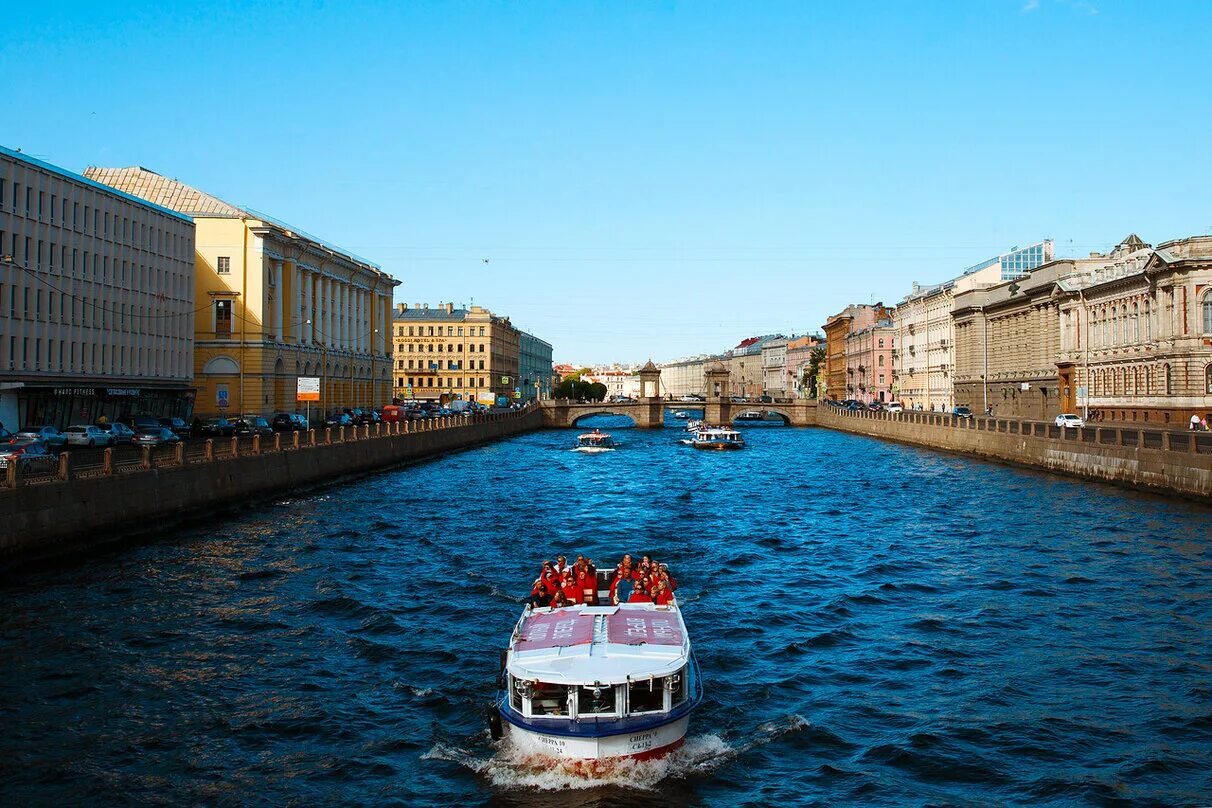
(1168, 380)
(1208, 380)
(647, 696)
(1207, 307)
(596, 700)
(223, 265)
(548, 699)
(222, 319)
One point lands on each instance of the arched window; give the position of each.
(1135, 323)
(1208, 379)
(1148, 323)
(1207, 307)
(1169, 381)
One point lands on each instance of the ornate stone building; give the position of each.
(446, 353)
(854, 317)
(1137, 332)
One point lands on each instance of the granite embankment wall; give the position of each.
(70, 509)
(1137, 457)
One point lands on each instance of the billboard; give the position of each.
(307, 388)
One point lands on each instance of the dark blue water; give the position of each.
(877, 625)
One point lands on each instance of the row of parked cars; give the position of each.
(33, 446)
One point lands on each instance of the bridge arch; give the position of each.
(613, 412)
(783, 414)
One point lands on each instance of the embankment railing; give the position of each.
(137, 460)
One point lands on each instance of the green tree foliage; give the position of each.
(577, 389)
(596, 392)
(812, 371)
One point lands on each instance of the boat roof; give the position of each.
(718, 430)
(598, 644)
(593, 436)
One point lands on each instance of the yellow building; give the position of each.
(446, 353)
(274, 304)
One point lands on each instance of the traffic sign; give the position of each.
(222, 397)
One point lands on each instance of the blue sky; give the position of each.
(646, 179)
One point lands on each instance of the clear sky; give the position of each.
(645, 179)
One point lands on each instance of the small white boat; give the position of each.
(594, 442)
(694, 426)
(751, 415)
(681, 415)
(597, 684)
(717, 437)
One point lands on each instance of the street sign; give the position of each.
(222, 397)
(504, 380)
(307, 388)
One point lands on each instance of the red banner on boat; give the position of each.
(632, 628)
(555, 630)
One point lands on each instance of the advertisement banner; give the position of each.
(307, 388)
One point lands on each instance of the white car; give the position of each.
(894, 406)
(1070, 421)
(87, 435)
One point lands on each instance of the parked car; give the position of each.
(338, 419)
(253, 425)
(48, 435)
(962, 412)
(31, 455)
(156, 436)
(894, 407)
(87, 435)
(1070, 421)
(179, 427)
(120, 432)
(288, 422)
(218, 428)
(692, 397)
(139, 422)
(875, 406)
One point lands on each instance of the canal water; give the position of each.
(876, 625)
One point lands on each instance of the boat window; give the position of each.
(646, 695)
(515, 695)
(596, 700)
(549, 699)
(680, 684)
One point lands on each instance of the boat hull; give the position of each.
(646, 744)
(593, 449)
(718, 447)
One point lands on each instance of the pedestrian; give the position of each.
(1194, 422)
(622, 588)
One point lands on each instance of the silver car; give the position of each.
(162, 436)
(48, 435)
(88, 435)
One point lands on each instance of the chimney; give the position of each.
(426, 307)
(450, 308)
(401, 308)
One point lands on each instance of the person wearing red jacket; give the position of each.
(639, 596)
(586, 580)
(551, 581)
(568, 585)
(663, 596)
(559, 601)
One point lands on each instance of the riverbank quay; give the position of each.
(1165, 462)
(72, 509)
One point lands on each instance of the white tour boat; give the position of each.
(597, 683)
(681, 415)
(717, 437)
(751, 415)
(594, 442)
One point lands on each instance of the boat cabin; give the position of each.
(598, 440)
(599, 662)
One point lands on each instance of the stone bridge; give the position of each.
(649, 413)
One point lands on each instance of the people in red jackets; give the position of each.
(663, 571)
(539, 596)
(551, 580)
(663, 596)
(648, 581)
(561, 565)
(559, 601)
(570, 588)
(586, 577)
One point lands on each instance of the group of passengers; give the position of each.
(560, 585)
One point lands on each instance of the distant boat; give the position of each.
(751, 415)
(594, 442)
(681, 415)
(717, 438)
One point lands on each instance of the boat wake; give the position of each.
(506, 769)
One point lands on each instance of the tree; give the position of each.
(595, 392)
(811, 371)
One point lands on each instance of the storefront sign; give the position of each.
(307, 388)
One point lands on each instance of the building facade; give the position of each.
(799, 359)
(1018, 261)
(444, 353)
(924, 359)
(838, 328)
(774, 367)
(1136, 333)
(534, 367)
(279, 304)
(869, 362)
(684, 377)
(96, 301)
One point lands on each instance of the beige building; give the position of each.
(684, 377)
(96, 300)
(275, 304)
(925, 357)
(444, 353)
